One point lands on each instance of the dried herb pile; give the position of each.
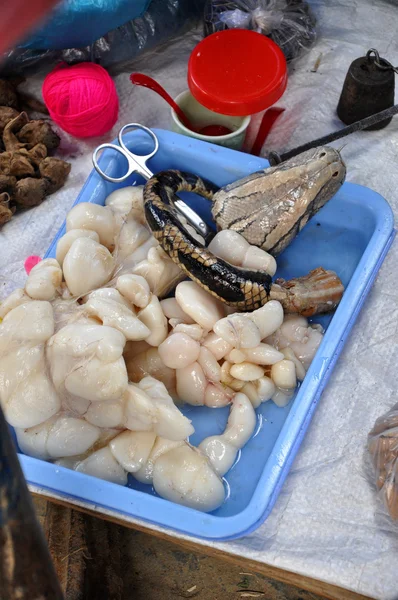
(28, 172)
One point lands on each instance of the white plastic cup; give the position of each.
(202, 116)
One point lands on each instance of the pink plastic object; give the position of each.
(31, 262)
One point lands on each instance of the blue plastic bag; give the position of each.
(162, 21)
(76, 23)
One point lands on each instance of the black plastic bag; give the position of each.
(289, 23)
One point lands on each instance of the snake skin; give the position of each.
(242, 289)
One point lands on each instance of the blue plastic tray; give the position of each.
(350, 235)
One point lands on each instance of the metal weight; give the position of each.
(368, 88)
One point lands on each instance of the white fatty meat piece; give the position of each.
(28, 324)
(263, 354)
(306, 350)
(282, 397)
(184, 476)
(294, 328)
(259, 391)
(258, 259)
(131, 236)
(203, 308)
(194, 331)
(172, 310)
(132, 448)
(238, 330)
(135, 288)
(113, 312)
(217, 345)
(27, 394)
(59, 437)
(222, 449)
(268, 318)
(230, 246)
(123, 200)
(67, 240)
(209, 364)
(152, 316)
(102, 464)
(86, 360)
(87, 266)
(16, 298)
(179, 350)
(148, 362)
(191, 384)
(44, 280)
(246, 371)
(109, 293)
(160, 447)
(145, 413)
(233, 248)
(105, 414)
(161, 273)
(87, 215)
(96, 380)
(34, 401)
(290, 355)
(135, 259)
(283, 374)
(218, 395)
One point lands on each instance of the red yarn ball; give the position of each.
(81, 99)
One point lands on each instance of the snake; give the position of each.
(243, 289)
(268, 208)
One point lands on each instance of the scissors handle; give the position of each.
(131, 165)
(135, 163)
(141, 159)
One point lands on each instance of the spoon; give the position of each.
(267, 121)
(148, 82)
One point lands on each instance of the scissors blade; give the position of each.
(192, 217)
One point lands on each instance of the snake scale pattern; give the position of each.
(240, 288)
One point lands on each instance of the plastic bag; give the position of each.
(289, 23)
(383, 450)
(164, 20)
(67, 25)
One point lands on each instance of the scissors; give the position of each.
(137, 164)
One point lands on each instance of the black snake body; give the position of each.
(240, 288)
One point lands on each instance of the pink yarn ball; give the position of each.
(81, 99)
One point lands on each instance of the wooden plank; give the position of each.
(290, 578)
(86, 554)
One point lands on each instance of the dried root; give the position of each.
(38, 132)
(55, 171)
(30, 192)
(27, 173)
(5, 211)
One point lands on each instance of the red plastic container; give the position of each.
(237, 72)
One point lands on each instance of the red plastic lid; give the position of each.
(237, 72)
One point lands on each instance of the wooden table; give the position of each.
(96, 558)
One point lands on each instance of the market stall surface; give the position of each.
(327, 523)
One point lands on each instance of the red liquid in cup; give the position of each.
(214, 130)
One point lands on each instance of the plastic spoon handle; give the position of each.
(146, 81)
(267, 121)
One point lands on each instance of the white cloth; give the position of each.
(325, 523)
